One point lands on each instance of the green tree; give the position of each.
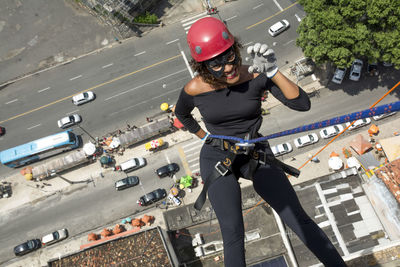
(339, 31)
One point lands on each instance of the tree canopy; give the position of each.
(339, 31)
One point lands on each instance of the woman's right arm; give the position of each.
(183, 109)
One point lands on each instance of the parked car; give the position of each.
(359, 123)
(281, 149)
(387, 64)
(331, 131)
(126, 182)
(382, 116)
(339, 75)
(306, 140)
(27, 247)
(167, 170)
(355, 71)
(278, 27)
(372, 69)
(2, 131)
(54, 237)
(69, 121)
(152, 197)
(83, 98)
(132, 164)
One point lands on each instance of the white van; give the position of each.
(132, 164)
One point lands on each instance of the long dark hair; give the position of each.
(201, 68)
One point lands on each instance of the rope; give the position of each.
(352, 117)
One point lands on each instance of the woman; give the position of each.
(228, 96)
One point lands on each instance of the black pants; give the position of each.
(274, 187)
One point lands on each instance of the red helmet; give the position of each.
(208, 37)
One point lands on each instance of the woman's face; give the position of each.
(225, 67)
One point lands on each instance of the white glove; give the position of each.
(264, 60)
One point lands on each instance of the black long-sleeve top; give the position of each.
(234, 110)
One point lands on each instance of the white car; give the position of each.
(69, 121)
(331, 131)
(339, 75)
(54, 237)
(83, 98)
(281, 149)
(278, 27)
(382, 116)
(306, 140)
(355, 71)
(359, 123)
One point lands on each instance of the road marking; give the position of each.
(277, 4)
(264, 20)
(108, 65)
(288, 42)
(74, 111)
(228, 19)
(141, 53)
(192, 160)
(34, 126)
(297, 17)
(12, 101)
(260, 5)
(42, 90)
(191, 144)
(173, 41)
(139, 86)
(92, 88)
(193, 148)
(184, 162)
(196, 16)
(76, 77)
(247, 44)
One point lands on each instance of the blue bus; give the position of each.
(39, 149)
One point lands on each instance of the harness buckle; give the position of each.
(246, 146)
(221, 168)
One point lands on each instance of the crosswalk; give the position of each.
(187, 23)
(192, 153)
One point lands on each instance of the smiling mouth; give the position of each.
(232, 74)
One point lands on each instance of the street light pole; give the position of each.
(94, 139)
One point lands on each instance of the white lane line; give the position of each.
(173, 41)
(297, 17)
(108, 65)
(144, 102)
(74, 111)
(228, 19)
(192, 154)
(44, 89)
(331, 220)
(194, 165)
(260, 5)
(34, 126)
(196, 16)
(141, 53)
(196, 159)
(193, 148)
(276, 3)
(76, 77)
(137, 87)
(191, 22)
(12, 101)
(288, 42)
(247, 44)
(191, 144)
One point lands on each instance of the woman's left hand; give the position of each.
(264, 60)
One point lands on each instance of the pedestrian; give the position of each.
(228, 96)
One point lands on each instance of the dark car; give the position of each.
(152, 197)
(167, 170)
(27, 247)
(126, 182)
(2, 131)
